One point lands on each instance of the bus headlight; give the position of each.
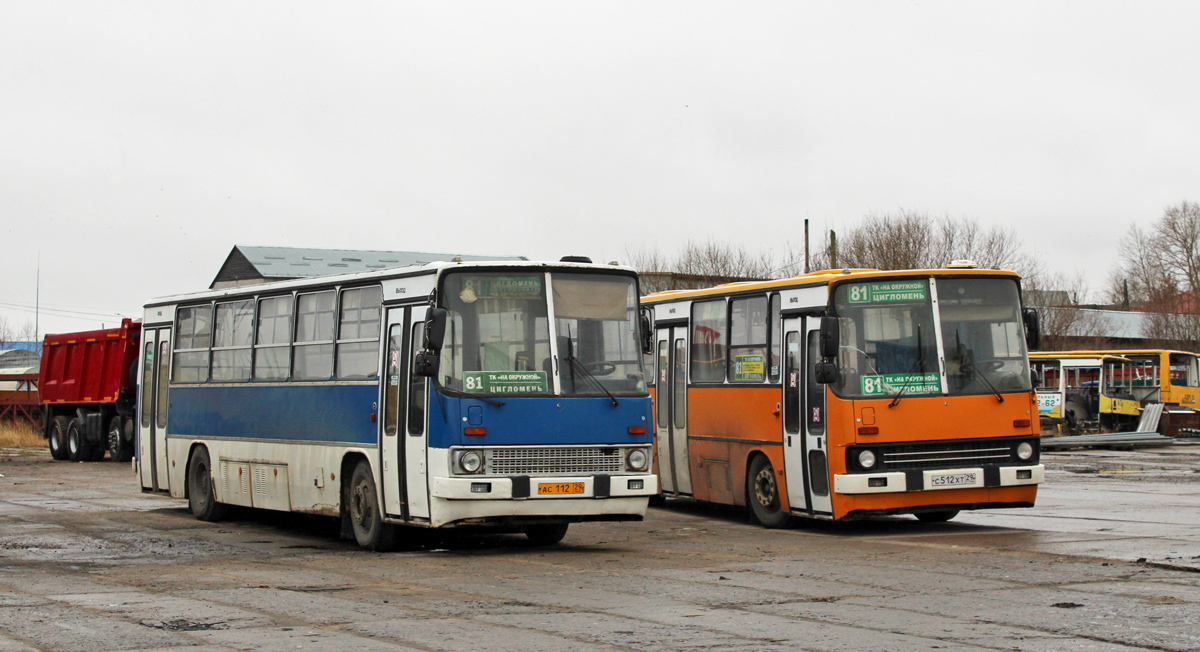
(470, 461)
(636, 460)
(866, 459)
(1025, 450)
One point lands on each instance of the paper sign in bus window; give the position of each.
(505, 382)
(503, 287)
(890, 292)
(887, 384)
(749, 368)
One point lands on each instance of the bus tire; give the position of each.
(762, 494)
(58, 437)
(202, 501)
(937, 517)
(120, 449)
(78, 449)
(546, 534)
(366, 518)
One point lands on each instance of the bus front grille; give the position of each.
(556, 461)
(943, 455)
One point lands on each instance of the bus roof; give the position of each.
(821, 277)
(1075, 355)
(1129, 352)
(357, 277)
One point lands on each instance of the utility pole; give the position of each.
(833, 264)
(37, 300)
(806, 269)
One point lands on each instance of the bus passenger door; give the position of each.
(670, 395)
(391, 427)
(152, 409)
(816, 459)
(793, 413)
(416, 411)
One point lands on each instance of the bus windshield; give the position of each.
(889, 342)
(498, 334)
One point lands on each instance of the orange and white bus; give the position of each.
(849, 393)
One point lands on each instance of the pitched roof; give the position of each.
(250, 265)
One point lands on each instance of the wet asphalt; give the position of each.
(1108, 560)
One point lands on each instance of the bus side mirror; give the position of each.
(830, 336)
(1033, 330)
(826, 373)
(425, 364)
(435, 329)
(647, 333)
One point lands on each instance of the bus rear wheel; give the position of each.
(58, 437)
(546, 535)
(937, 517)
(365, 516)
(762, 494)
(201, 500)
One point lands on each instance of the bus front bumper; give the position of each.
(540, 488)
(938, 479)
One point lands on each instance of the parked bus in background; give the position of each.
(1157, 375)
(1082, 392)
(844, 394)
(503, 394)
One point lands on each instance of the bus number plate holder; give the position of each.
(559, 488)
(945, 480)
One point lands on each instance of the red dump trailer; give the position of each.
(88, 386)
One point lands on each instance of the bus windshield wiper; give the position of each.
(966, 364)
(576, 364)
(920, 367)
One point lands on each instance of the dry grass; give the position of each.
(22, 435)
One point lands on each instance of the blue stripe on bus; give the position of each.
(327, 413)
(538, 421)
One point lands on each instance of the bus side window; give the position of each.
(773, 325)
(416, 387)
(816, 391)
(791, 388)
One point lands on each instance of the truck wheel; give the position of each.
(546, 535)
(119, 448)
(78, 449)
(201, 500)
(762, 493)
(365, 517)
(58, 437)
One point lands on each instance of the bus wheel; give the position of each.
(78, 449)
(201, 500)
(120, 449)
(58, 437)
(762, 493)
(369, 529)
(546, 535)
(937, 517)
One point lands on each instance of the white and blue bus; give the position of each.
(506, 394)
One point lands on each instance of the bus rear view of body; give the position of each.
(843, 394)
(504, 395)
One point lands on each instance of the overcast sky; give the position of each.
(140, 141)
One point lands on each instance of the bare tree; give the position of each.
(915, 240)
(1160, 274)
(699, 264)
(10, 333)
